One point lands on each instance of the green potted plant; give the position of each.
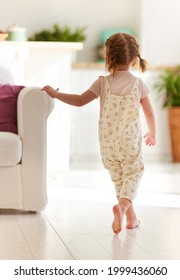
(59, 34)
(169, 88)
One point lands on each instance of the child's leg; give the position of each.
(132, 221)
(124, 203)
(132, 173)
(122, 189)
(119, 210)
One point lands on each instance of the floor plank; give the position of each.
(12, 242)
(42, 238)
(85, 247)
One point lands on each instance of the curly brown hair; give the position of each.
(122, 49)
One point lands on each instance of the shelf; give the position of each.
(101, 65)
(70, 46)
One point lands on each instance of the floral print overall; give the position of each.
(121, 140)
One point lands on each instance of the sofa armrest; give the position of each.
(34, 107)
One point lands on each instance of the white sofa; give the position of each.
(23, 155)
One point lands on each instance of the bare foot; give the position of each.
(133, 223)
(118, 219)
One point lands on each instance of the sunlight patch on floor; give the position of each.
(159, 186)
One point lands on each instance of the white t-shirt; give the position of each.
(121, 83)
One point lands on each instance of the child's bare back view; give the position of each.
(121, 96)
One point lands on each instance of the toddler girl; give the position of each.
(121, 96)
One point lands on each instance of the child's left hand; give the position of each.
(150, 139)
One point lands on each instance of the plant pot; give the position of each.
(174, 123)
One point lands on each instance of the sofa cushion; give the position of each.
(8, 107)
(10, 149)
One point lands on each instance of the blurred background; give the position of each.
(156, 22)
(156, 25)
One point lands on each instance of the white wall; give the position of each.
(160, 31)
(95, 15)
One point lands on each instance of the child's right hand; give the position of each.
(150, 139)
(50, 91)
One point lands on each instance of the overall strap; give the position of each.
(135, 86)
(106, 88)
(106, 85)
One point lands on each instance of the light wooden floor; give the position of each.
(76, 223)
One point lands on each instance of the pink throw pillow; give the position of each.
(8, 107)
